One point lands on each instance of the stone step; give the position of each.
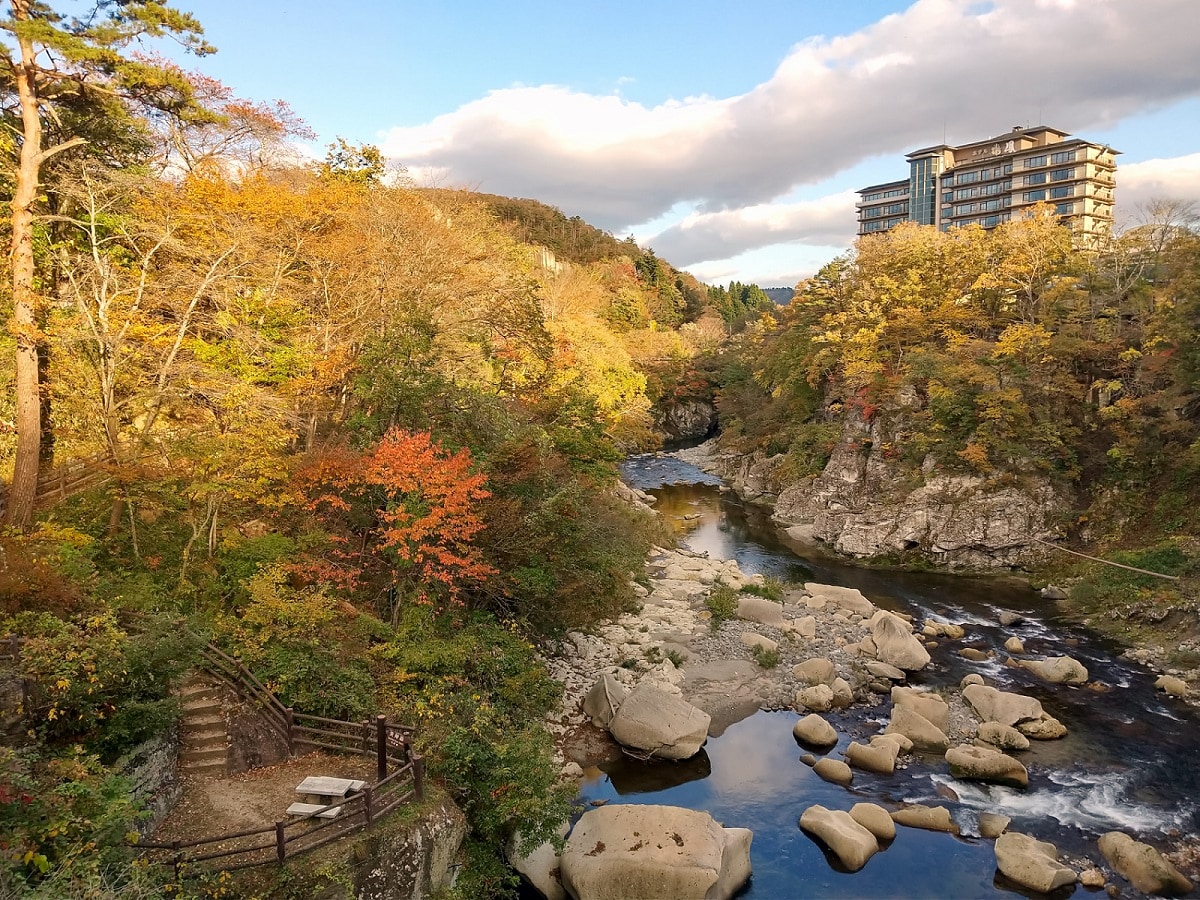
(202, 707)
(204, 755)
(204, 769)
(205, 740)
(195, 688)
(201, 721)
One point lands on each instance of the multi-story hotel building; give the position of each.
(988, 182)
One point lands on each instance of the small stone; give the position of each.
(818, 698)
(968, 680)
(883, 670)
(875, 819)
(1176, 687)
(1092, 878)
(817, 670)
(1053, 592)
(974, 654)
(992, 825)
(1007, 617)
(930, 818)
(750, 640)
(1014, 645)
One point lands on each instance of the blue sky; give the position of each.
(729, 137)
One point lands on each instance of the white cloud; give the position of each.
(1177, 178)
(827, 221)
(831, 103)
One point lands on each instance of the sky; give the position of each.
(729, 137)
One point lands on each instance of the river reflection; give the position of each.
(1130, 761)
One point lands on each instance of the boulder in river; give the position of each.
(992, 825)
(1014, 645)
(540, 866)
(602, 701)
(992, 705)
(843, 694)
(1057, 669)
(1142, 866)
(875, 819)
(666, 726)
(918, 729)
(1046, 728)
(930, 818)
(849, 841)
(1031, 863)
(621, 851)
(883, 670)
(930, 705)
(1002, 737)
(815, 732)
(878, 756)
(834, 771)
(818, 698)
(896, 645)
(971, 763)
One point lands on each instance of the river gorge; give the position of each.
(1128, 761)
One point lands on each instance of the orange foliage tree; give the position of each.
(407, 507)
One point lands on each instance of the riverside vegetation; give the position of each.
(363, 436)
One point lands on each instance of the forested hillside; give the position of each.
(361, 436)
(1002, 361)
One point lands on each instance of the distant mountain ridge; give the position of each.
(780, 295)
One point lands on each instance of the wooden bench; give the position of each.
(320, 810)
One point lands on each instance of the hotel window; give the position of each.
(1039, 178)
(991, 221)
(1063, 190)
(1064, 209)
(966, 193)
(1034, 161)
(966, 178)
(1033, 196)
(947, 196)
(964, 209)
(872, 226)
(872, 213)
(1062, 157)
(1062, 174)
(989, 204)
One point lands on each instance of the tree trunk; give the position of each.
(18, 509)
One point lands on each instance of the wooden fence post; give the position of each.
(381, 747)
(366, 736)
(291, 731)
(368, 800)
(280, 842)
(418, 764)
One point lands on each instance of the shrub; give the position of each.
(722, 602)
(772, 588)
(768, 659)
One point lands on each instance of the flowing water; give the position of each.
(1131, 760)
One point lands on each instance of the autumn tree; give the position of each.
(57, 58)
(406, 506)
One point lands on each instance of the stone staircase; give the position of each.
(202, 730)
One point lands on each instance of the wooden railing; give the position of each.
(277, 842)
(399, 778)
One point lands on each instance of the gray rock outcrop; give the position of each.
(602, 701)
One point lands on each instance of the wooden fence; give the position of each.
(399, 778)
(282, 840)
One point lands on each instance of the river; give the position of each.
(1131, 760)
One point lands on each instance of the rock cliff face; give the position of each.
(686, 420)
(866, 504)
